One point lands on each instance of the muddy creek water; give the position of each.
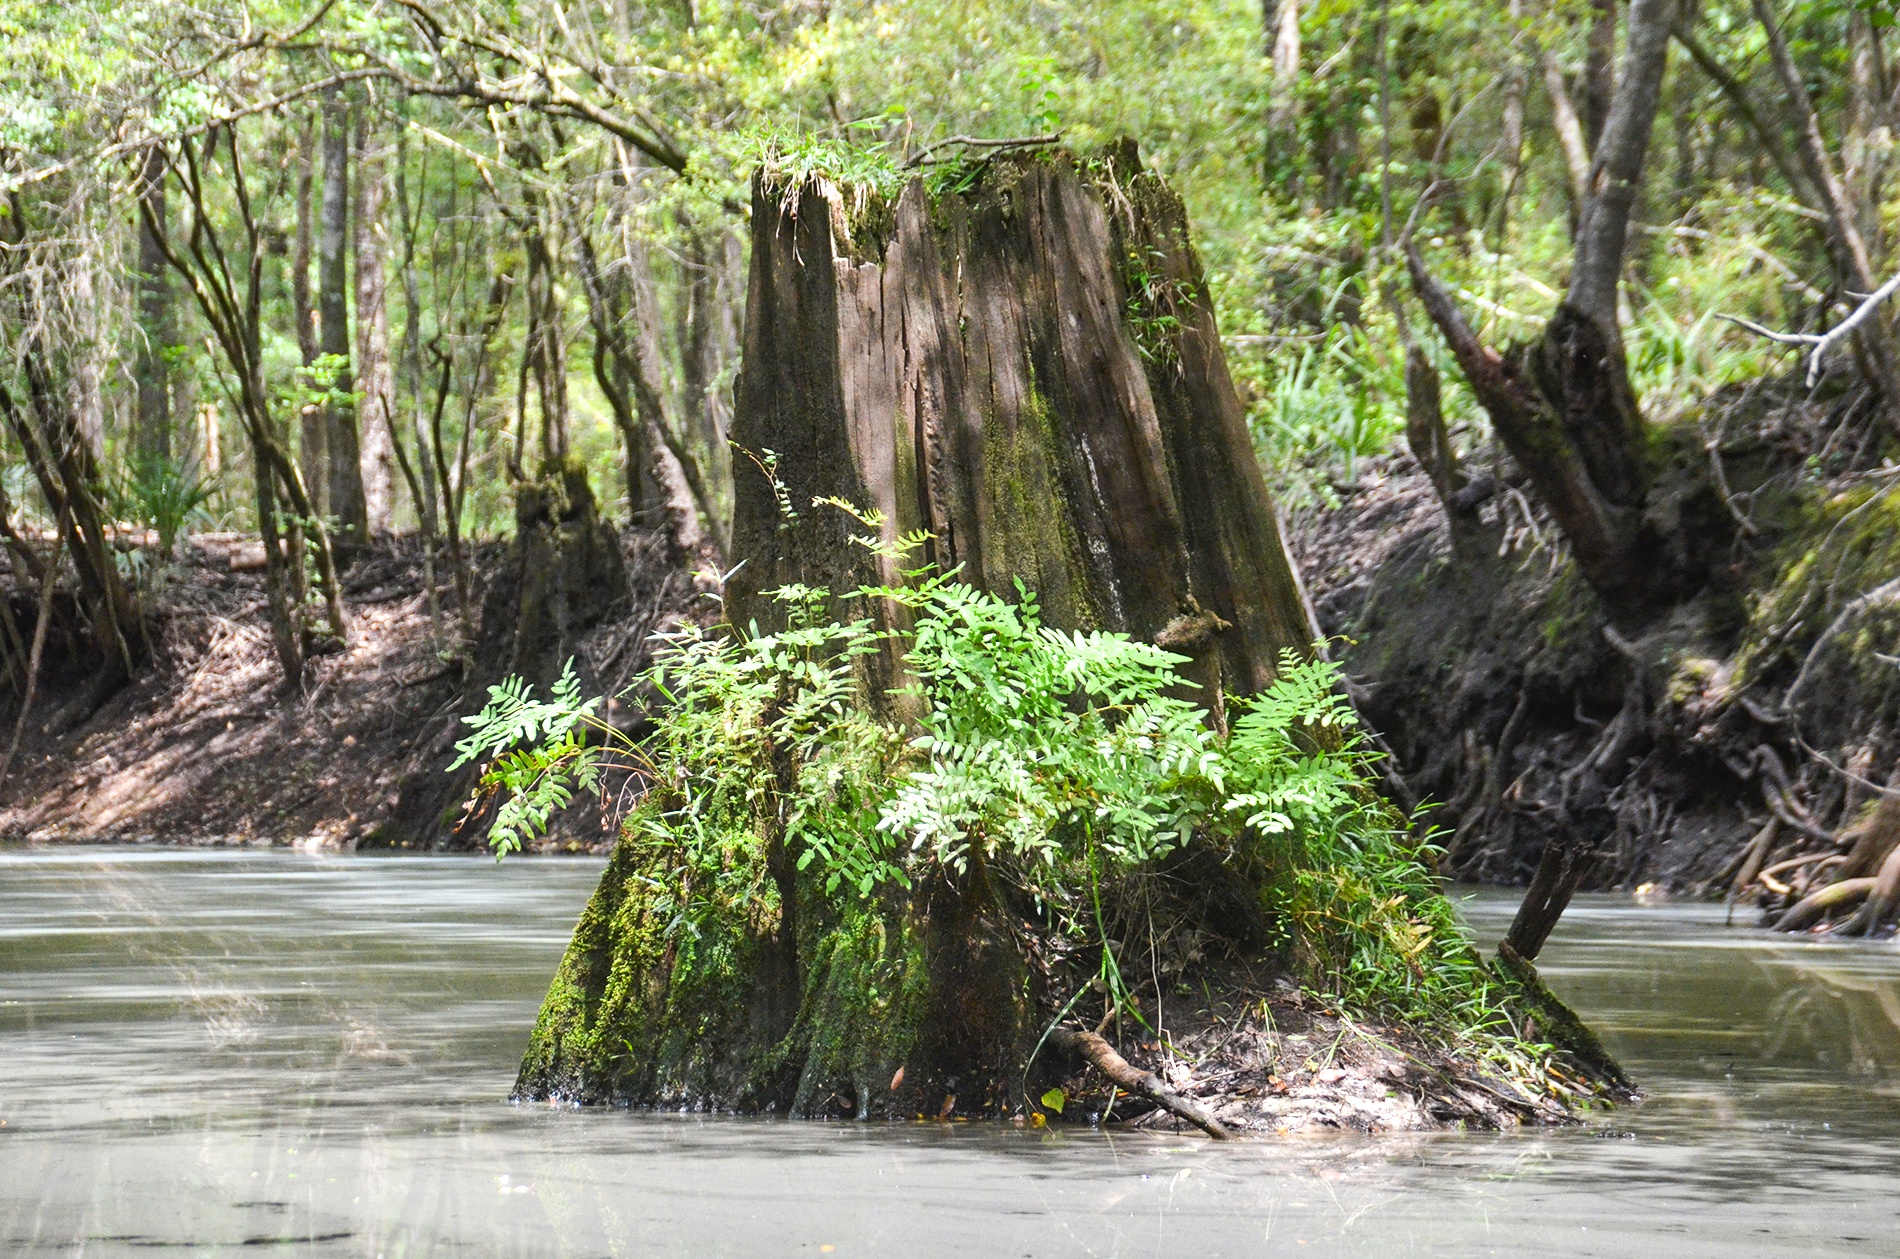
(215, 1052)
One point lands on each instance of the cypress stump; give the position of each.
(1028, 368)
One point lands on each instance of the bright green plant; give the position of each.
(162, 496)
(1064, 763)
(540, 754)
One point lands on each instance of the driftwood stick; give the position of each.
(1756, 856)
(1881, 900)
(1124, 1074)
(1793, 863)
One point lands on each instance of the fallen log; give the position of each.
(1126, 1075)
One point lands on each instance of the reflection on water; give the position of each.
(206, 1051)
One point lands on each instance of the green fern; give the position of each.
(1061, 761)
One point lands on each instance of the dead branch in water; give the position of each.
(1124, 1074)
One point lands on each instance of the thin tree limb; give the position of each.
(1124, 1074)
(1823, 341)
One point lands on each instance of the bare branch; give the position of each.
(922, 155)
(1823, 341)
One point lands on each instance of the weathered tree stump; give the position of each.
(1031, 371)
(1028, 368)
(564, 574)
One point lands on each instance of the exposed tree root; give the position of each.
(1732, 743)
(1811, 908)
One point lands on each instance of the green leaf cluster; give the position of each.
(1064, 764)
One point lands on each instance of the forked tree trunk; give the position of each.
(1565, 409)
(1030, 370)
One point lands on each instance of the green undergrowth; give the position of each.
(771, 930)
(1837, 547)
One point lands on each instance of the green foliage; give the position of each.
(1062, 763)
(789, 157)
(540, 753)
(1331, 404)
(161, 495)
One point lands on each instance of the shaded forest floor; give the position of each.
(202, 749)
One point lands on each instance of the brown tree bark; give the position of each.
(341, 444)
(1034, 375)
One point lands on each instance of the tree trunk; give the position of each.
(623, 380)
(341, 445)
(1566, 410)
(376, 412)
(1851, 251)
(544, 351)
(428, 516)
(1031, 371)
(1282, 24)
(1570, 138)
(1599, 71)
(312, 450)
(1567, 413)
(158, 323)
(1043, 389)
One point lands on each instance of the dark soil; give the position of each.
(1515, 706)
(203, 748)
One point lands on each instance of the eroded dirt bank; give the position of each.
(1743, 741)
(202, 748)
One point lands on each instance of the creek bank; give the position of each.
(1751, 731)
(201, 749)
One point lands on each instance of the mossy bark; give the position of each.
(1029, 369)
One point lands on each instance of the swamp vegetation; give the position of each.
(1035, 614)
